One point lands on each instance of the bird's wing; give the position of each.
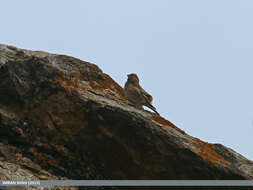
(148, 100)
(147, 96)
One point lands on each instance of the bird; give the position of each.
(136, 95)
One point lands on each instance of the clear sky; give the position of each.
(194, 56)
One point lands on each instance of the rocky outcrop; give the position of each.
(63, 118)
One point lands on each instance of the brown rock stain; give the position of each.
(70, 82)
(165, 122)
(95, 82)
(96, 69)
(208, 153)
(110, 84)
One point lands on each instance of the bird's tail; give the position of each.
(152, 108)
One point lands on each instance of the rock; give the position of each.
(77, 124)
(5, 152)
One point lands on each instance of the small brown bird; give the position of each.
(136, 95)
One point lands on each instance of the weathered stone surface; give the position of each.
(67, 119)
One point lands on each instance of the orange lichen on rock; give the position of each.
(97, 80)
(76, 74)
(70, 82)
(208, 153)
(96, 68)
(165, 122)
(110, 84)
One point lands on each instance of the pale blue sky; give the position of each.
(194, 56)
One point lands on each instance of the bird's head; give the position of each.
(133, 78)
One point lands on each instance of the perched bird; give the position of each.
(136, 95)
